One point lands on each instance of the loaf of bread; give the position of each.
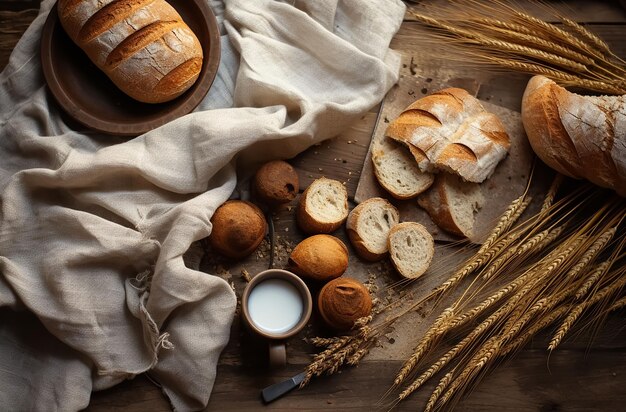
(143, 46)
(411, 248)
(320, 258)
(323, 207)
(343, 301)
(452, 203)
(450, 130)
(238, 229)
(368, 227)
(579, 136)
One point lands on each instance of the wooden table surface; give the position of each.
(588, 372)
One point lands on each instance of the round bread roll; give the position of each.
(323, 206)
(320, 258)
(368, 227)
(238, 229)
(276, 183)
(342, 301)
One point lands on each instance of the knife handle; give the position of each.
(279, 389)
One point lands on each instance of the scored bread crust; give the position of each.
(306, 215)
(438, 202)
(579, 136)
(429, 244)
(356, 234)
(143, 46)
(450, 130)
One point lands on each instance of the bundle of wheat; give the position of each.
(498, 35)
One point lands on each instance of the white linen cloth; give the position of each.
(93, 228)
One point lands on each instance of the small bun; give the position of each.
(320, 258)
(276, 183)
(323, 206)
(342, 301)
(238, 229)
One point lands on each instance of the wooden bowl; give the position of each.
(88, 96)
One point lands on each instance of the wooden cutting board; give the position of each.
(506, 184)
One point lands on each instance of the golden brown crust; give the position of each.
(435, 201)
(144, 46)
(308, 223)
(320, 258)
(342, 301)
(238, 229)
(352, 225)
(275, 183)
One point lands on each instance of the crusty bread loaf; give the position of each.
(411, 248)
(450, 130)
(319, 257)
(323, 207)
(343, 301)
(579, 136)
(238, 229)
(396, 171)
(451, 203)
(368, 227)
(144, 46)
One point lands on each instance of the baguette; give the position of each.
(368, 227)
(579, 136)
(411, 248)
(143, 46)
(451, 203)
(323, 207)
(451, 131)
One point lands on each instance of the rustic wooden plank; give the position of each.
(12, 26)
(19, 5)
(599, 11)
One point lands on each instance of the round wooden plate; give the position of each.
(91, 98)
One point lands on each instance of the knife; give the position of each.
(275, 391)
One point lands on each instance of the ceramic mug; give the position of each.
(276, 304)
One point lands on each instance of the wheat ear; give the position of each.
(580, 308)
(441, 386)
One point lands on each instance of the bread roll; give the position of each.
(320, 257)
(144, 46)
(275, 183)
(452, 203)
(323, 207)
(238, 229)
(343, 301)
(411, 248)
(450, 130)
(579, 136)
(368, 227)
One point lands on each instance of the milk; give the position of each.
(275, 306)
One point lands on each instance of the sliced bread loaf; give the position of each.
(452, 203)
(411, 248)
(368, 227)
(397, 172)
(323, 206)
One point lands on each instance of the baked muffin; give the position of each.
(238, 229)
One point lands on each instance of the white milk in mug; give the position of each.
(275, 306)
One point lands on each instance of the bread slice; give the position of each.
(452, 203)
(323, 206)
(397, 172)
(368, 227)
(411, 248)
